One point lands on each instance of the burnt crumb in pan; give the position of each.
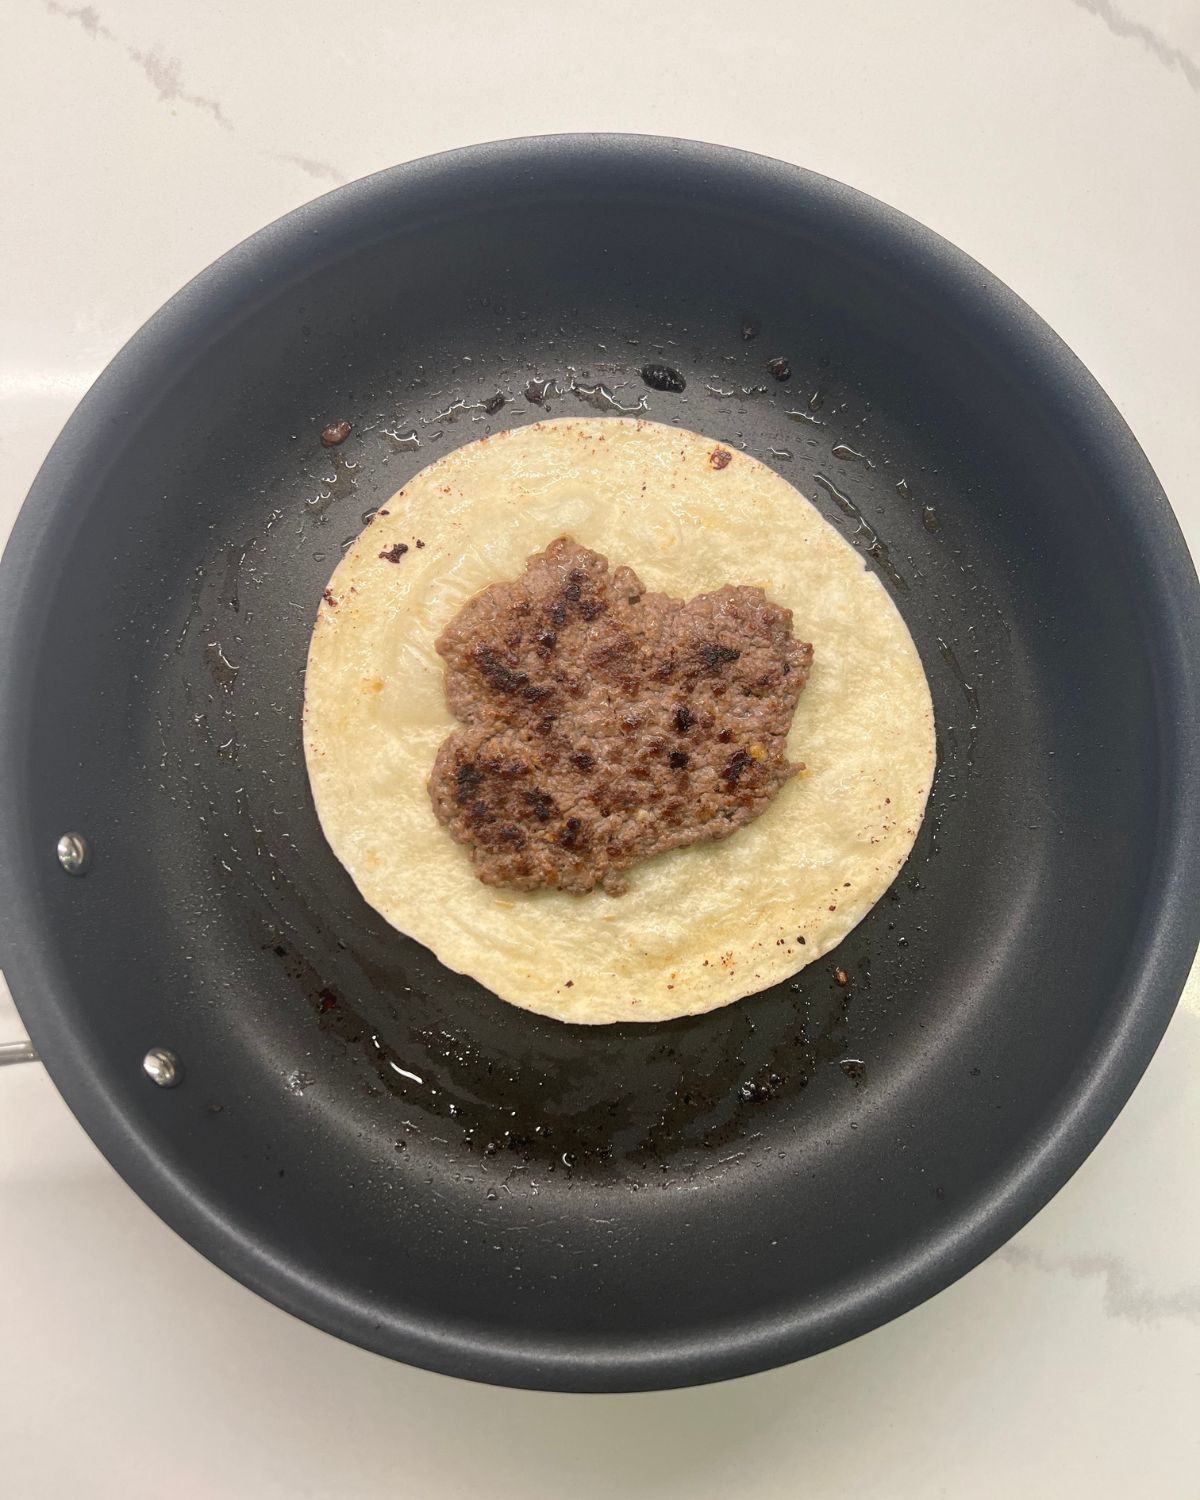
(663, 378)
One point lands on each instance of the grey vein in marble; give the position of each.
(1124, 26)
(1123, 1296)
(322, 170)
(86, 15)
(165, 74)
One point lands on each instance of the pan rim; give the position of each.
(1149, 985)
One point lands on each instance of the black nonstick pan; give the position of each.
(379, 1145)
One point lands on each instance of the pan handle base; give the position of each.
(17, 1052)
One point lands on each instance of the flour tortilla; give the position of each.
(699, 927)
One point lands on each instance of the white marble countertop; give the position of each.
(1058, 141)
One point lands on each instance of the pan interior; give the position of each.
(381, 1144)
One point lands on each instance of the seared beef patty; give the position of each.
(603, 724)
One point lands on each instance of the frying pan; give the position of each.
(379, 1145)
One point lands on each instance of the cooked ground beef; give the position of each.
(603, 724)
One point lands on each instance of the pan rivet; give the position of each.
(73, 853)
(162, 1067)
